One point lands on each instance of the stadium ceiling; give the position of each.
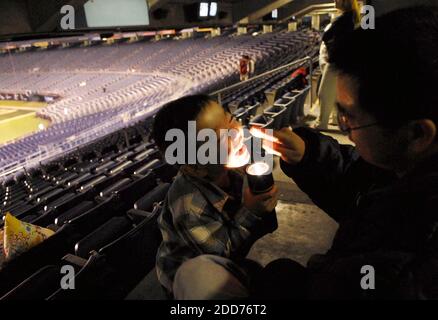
(290, 8)
(249, 11)
(29, 17)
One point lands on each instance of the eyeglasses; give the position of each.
(344, 125)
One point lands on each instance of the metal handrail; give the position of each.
(237, 85)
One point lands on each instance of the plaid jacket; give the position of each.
(200, 218)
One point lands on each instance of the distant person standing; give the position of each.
(301, 76)
(341, 27)
(246, 67)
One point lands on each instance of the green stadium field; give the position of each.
(18, 119)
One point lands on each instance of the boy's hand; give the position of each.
(261, 203)
(284, 143)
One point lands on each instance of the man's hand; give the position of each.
(284, 143)
(261, 203)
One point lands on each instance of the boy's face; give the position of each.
(215, 117)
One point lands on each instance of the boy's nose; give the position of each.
(237, 137)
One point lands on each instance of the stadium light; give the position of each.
(213, 9)
(203, 9)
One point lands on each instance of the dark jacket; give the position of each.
(340, 28)
(385, 222)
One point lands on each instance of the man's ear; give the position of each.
(423, 133)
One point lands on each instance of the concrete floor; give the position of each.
(303, 228)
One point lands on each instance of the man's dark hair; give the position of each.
(176, 115)
(395, 65)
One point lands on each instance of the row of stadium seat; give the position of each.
(102, 205)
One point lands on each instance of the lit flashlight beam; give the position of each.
(261, 135)
(270, 150)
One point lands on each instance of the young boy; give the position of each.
(204, 218)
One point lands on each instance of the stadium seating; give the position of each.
(102, 188)
(97, 224)
(104, 88)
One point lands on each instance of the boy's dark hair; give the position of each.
(176, 115)
(395, 65)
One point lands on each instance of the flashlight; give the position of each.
(260, 179)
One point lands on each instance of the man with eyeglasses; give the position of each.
(384, 191)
